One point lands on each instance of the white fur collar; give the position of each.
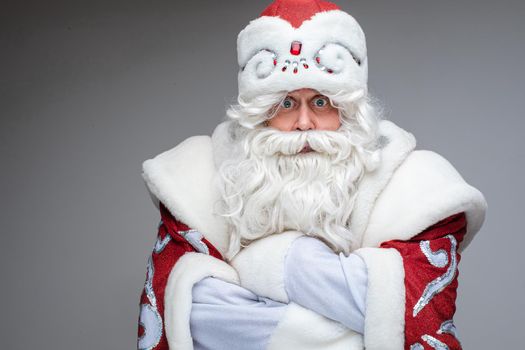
(425, 189)
(181, 178)
(398, 144)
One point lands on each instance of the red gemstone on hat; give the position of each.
(295, 48)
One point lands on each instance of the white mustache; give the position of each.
(271, 142)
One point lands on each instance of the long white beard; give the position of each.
(270, 187)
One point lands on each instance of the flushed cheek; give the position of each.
(330, 122)
(282, 123)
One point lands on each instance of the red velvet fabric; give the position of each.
(419, 273)
(164, 261)
(297, 11)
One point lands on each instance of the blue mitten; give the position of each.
(332, 285)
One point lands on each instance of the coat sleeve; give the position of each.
(412, 289)
(226, 316)
(175, 239)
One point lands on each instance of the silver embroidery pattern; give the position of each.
(416, 346)
(149, 316)
(448, 327)
(436, 286)
(438, 258)
(148, 287)
(434, 343)
(152, 323)
(160, 244)
(194, 238)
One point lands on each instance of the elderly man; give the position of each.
(305, 221)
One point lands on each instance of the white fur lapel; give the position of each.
(397, 144)
(425, 189)
(181, 179)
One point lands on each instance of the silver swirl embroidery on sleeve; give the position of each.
(152, 323)
(194, 238)
(149, 316)
(434, 343)
(160, 244)
(148, 287)
(438, 258)
(417, 346)
(449, 328)
(436, 286)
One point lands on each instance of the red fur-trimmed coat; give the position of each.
(414, 215)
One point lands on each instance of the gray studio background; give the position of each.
(91, 89)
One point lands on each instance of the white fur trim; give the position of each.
(385, 299)
(303, 329)
(181, 179)
(424, 190)
(261, 265)
(268, 37)
(222, 143)
(399, 145)
(189, 269)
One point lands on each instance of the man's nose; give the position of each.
(305, 119)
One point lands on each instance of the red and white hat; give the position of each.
(301, 44)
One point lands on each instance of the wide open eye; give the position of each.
(321, 101)
(287, 103)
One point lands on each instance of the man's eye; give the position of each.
(321, 102)
(287, 103)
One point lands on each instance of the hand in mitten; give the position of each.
(227, 316)
(333, 285)
(291, 267)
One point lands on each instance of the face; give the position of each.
(305, 109)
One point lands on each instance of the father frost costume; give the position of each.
(412, 215)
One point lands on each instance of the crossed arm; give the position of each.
(228, 316)
(419, 275)
(336, 287)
